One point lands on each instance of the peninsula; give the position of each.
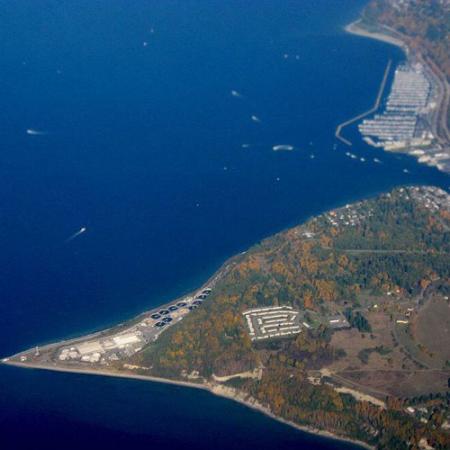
(339, 326)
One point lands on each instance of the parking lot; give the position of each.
(272, 322)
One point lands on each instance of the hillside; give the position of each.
(341, 324)
(373, 264)
(426, 23)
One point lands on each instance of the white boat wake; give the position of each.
(75, 235)
(32, 132)
(283, 147)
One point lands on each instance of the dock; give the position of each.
(340, 127)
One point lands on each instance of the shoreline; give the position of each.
(390, 36)
(218, 389)
(356, 29)
(104, 332)
(214, 389)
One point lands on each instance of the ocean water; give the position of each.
(141, 142)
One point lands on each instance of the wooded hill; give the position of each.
(396, 242)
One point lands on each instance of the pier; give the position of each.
(340, 127)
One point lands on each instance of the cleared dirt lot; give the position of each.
(432, 328)
(387, 368)
(401, 383)
(379, 346)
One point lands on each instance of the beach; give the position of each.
(213, 388)
(144, 150)
(357, 29)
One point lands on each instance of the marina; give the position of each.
(408, 99)
(405, 124)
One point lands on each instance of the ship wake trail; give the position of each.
(32, 132)
(75, 235)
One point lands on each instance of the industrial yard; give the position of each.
(105, 348)
(132, 339)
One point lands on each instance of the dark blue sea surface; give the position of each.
(140, 141)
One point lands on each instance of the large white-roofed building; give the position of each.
(89, 347)
(126, 339)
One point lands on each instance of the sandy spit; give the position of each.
(355, 28)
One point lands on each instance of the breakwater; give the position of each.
(341, 126)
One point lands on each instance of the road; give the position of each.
(357, 251)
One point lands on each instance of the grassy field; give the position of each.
(432, 329)
(387, 360)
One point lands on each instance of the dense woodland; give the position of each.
(426, 22)
(318, 273)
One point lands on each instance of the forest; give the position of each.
(396, 244)
(425, 22)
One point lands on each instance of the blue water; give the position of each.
(142, 145)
